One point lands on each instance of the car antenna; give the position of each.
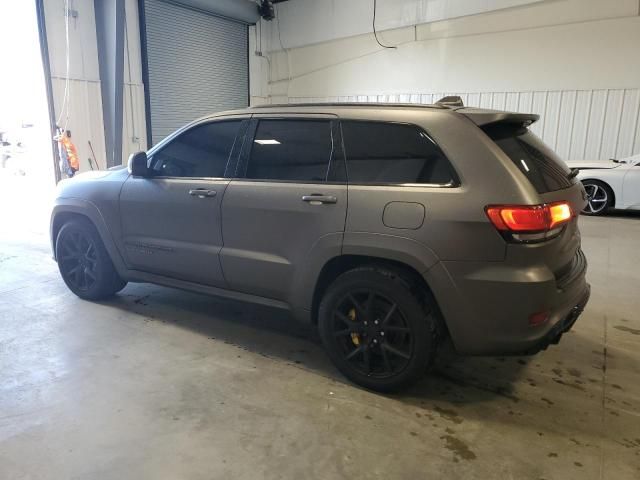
(451, 101)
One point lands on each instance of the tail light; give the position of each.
(538, 318)
(530, 223)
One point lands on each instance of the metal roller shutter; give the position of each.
(197, 64)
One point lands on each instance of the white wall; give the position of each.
(329, 19)
(572, 61)
(82, 113)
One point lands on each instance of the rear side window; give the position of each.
(202, 151)
(383, 152)
(544, 169)
(291, 150)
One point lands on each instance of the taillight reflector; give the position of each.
(539, 318)
(560, 213)
(529, 218)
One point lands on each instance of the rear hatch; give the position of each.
(555, 183)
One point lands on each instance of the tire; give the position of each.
(83, 261)
(397, 348)
(599, 197)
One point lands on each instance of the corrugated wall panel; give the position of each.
(198, 64)
(473, 99)
(486, 100)
(582, 124)
(539, 106)
(525, 103)
(595, 123)
(611, 127)
(499, 101)
(552, 119)
(565, 123)
(511, 102)
(628, 123)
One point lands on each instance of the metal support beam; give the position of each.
(46, 66)
(110, 24)
(244, 11)
(142, 21)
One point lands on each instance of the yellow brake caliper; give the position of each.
(355, 338)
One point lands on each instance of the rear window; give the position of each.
(544, 169)
(383, 152)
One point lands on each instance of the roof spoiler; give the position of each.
(484, 118)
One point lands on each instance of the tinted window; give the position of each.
(380, 152)
(291, 150)
(540, 164)
(202, 151)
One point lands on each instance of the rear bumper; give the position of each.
(563, 326)
(487, 305)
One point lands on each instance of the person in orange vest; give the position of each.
(69, 163)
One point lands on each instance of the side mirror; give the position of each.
(138, 164)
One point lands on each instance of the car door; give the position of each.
(171, 218)
(631, 187)
(285, 212)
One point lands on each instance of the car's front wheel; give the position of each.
(84, 263)
(377, 329)
(599, 197)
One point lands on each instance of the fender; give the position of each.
(322, 251)
(382, 246)
(405, 250)
(79, 206)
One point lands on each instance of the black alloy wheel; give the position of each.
(83, 261)
(78, 260)
(372, 333)
(379, 327)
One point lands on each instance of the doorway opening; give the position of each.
(27, 176)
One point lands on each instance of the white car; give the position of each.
(612, 184)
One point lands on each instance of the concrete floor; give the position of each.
(164, 384)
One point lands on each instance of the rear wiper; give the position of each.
(574, 172)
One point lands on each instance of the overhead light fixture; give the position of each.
(266, 10)
(267, 142)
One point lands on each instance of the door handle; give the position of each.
(202, 193)
(317, 199)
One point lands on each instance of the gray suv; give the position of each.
(391, 227)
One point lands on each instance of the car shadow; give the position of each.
(274, 334)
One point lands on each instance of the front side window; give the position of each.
(384, 152)
(291, 150)
(201, 152)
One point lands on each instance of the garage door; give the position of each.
(197, 64)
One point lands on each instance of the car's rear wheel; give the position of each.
(599, 197)
(84, 263)
(377, 329)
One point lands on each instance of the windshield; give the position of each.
(633, 160)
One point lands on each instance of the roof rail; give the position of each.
(450, 101)
(347, 104)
